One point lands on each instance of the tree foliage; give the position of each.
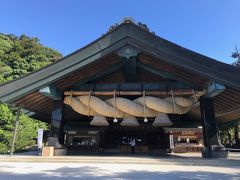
(20, 56)
(236, 55)
(230, 131)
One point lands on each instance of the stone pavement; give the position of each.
(177, 166)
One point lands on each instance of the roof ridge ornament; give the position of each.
(130, 20)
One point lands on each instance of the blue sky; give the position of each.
(210, 27)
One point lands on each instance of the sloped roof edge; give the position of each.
(120, 36)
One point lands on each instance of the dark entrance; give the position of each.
(148, 139)
(116, 139)
(83, 141)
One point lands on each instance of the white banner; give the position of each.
(171, 141)
(40, 138)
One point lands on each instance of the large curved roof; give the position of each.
(155, 55)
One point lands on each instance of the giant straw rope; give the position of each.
(119, 107)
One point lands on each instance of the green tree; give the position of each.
(27, 132)
(6, 127)
(20, 56)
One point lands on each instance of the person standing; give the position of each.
(132, 144)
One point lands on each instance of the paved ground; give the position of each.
(185, 166)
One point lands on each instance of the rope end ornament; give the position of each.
(145, 120)
(144, 106)
(89, 98)
(115, 120)
(173, 100)
(71, 94)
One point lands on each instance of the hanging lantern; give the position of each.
(129, 121)
(162, 120)
(99, 121)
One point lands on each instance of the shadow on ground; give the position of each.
(158, 159)
(91, 172)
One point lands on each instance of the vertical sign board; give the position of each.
(40, 138)
(171, 141)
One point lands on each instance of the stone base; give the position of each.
(214, 152)
(60, 152)
(53, 141)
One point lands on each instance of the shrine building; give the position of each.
(130, 84)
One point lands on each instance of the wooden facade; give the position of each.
(186, 139)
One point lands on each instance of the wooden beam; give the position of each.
(106, 72)
(28, 112)
(131, 93)
(130, 69)
(214, 89)
(52, 92)
(133, 86)
(165, 75)
(232, 110)
(220, 121)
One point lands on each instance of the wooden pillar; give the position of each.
(57, 121)
(56, 138)
(210, 133)
(213, 147)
